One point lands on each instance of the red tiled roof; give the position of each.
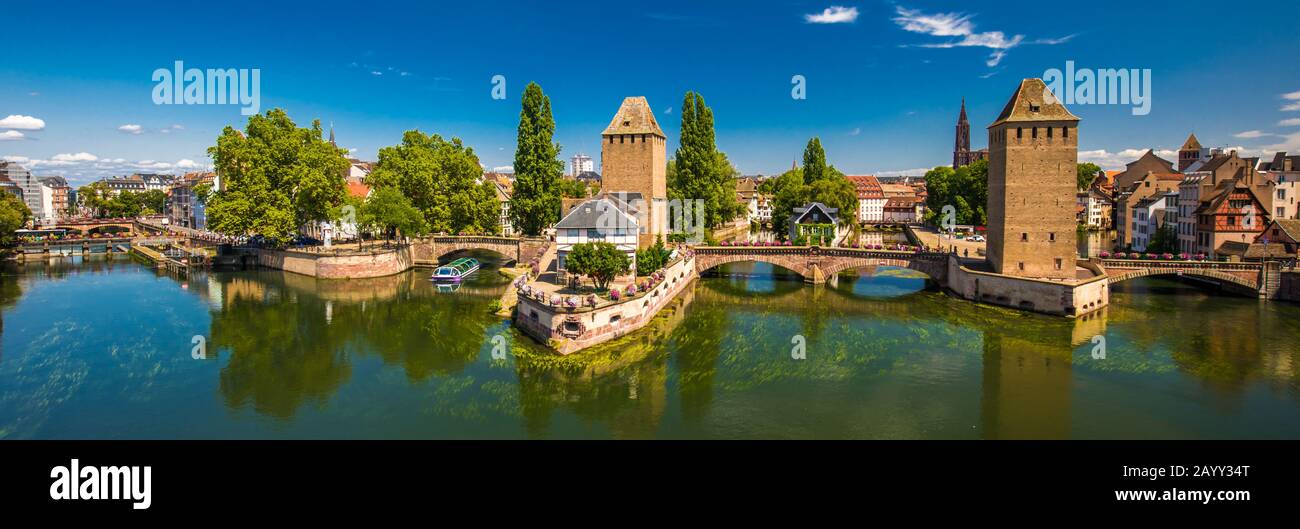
(358, 189)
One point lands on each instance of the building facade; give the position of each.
(1033, 154)
(871, 199)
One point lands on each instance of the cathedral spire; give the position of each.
(332, 135)
(961, 154)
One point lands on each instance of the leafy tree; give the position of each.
(14, 214)
(699, 171)
(965, 189)
(788, 192)
(535, 205)
(154, 200)
(652, 258)
(1164, 240)
(814, 161)
(278, 177)
(601, 261)
(836, 192)
(1087, 172)
(442, 180)
(391, 212)
(574, 188)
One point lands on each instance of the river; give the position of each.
(112, 349)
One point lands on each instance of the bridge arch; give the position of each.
(1229, 280)
(818, 265)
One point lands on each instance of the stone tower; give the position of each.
(633, 159)
(1033, 153)
(961, 147)
(1189, 154)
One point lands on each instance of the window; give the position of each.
(571, 232)
(1049, 133)
(1033, 107)
(1021, 265)
(1033, 132)
(1020, 133)
(1051, 237)
(1024, 237)
(1065, 132)
(1058, 263)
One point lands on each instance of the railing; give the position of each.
(1181, 265)
(819, 251)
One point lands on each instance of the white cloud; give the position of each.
(186, 163)
(78, 157)
(1293, 122)
(1290, 143)
(960, 31)
(906, 172)
(856, 131)
(1251, 134)
(1293, 96)
(833, 15)
(376, 73)
(131, 128)
(17, 159)
(16, 121)
(11, 135)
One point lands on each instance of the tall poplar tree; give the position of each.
(699, 169)
(814, 161)
(535, 205)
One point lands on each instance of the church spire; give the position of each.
(961, 145)
(332, 135)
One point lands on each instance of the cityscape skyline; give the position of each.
(884, 80)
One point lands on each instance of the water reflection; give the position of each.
(886, 357)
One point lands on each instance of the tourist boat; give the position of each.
(456, 270)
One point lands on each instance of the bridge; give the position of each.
(430, 250)
(818, 265)
(1261, 279)
(88, 226)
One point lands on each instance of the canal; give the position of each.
(111, 349)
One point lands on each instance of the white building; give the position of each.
(605, 218)
(579, 164)
(871, 199)
(1149, 216)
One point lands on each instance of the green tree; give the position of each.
(601, 261)
(652, 258)
(442, 179)
(1086, 173)
(965, 189)
(14, 214)
(392, 213)
(154, 200)
(574, 188)
(535, 205)
(814, 161)
(1164, 240)
(699, 171)
(278, 177)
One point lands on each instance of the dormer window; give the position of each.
(1034, 107)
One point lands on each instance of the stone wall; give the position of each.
(1061, 298)
(1289, 290)
(330, 266)
(557, 326)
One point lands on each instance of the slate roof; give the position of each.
(634, 117)
(1028, 104)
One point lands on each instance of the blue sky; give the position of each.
(884, 79)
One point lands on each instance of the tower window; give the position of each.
(1065, 132)
(1058, 264)
(1033, 132)
(1020, 133)
(1049, 133)
(1033, 107)
(1024, 237)
(1051, 237)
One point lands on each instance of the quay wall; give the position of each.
(342, 266)
(1058, 298)
(1289, 289)
(570, 330)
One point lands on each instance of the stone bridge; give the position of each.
(430, 250)
(86, 226)
(1247, 278)
(818, 265)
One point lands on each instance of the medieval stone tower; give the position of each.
(1033, 152)
(633, 159)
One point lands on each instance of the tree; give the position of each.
(652, 258)
(699, 171)
(278, 177)
(14, 214)
(154, 200)
(1086, 173)
(965, 189)
(1164, 240)
(391, 212)
(814, 161)
(574, 188)
(442, 180)
(601, 261)
(535, 205)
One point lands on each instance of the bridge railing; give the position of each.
(1181, 265)
(820, 251)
